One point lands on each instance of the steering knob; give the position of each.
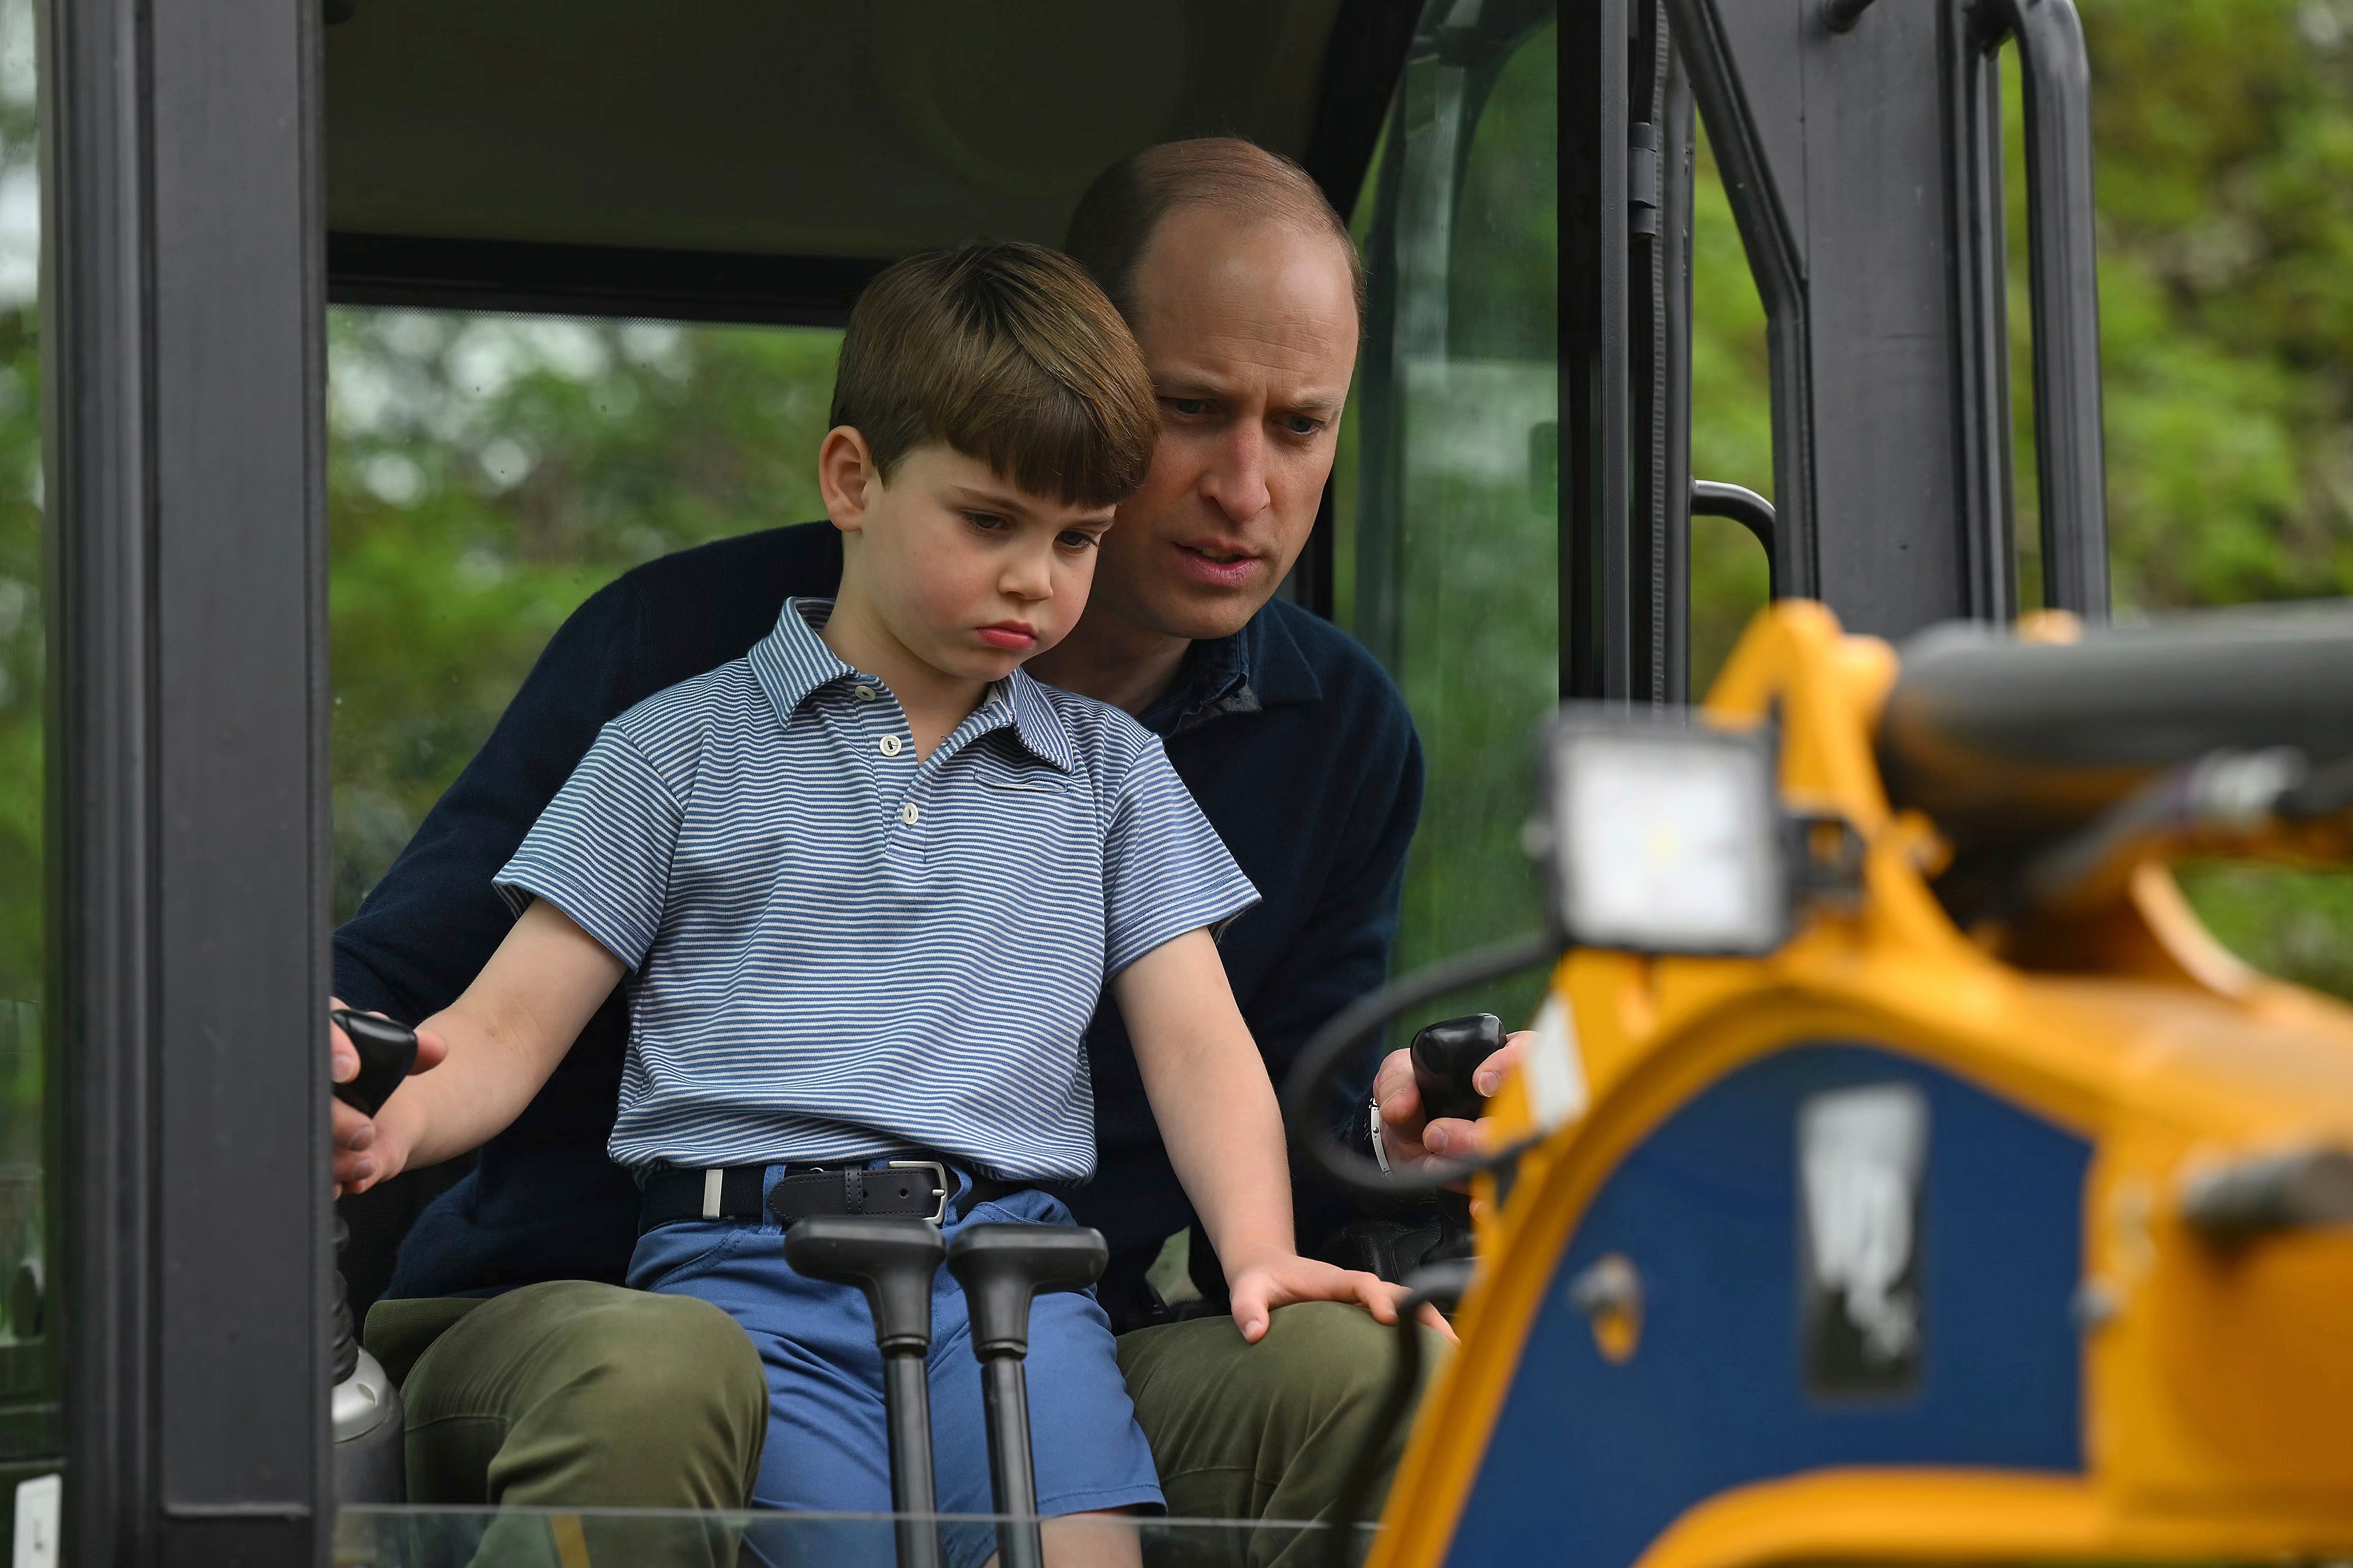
(892, 1260)
(1003, 1266)
(1446, 1055)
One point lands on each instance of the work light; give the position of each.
(1661, 834)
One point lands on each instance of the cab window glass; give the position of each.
(1731, 424)
(486, 474)
(24, 838)
(1446, 511)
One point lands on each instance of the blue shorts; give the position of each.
(826, 1448)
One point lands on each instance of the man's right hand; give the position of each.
(1406, 1134)
(359, 1164)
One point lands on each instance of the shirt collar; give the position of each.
(1036, 723)
(793, 661)
(1257, 668)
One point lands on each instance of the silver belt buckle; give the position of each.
(939, 1179)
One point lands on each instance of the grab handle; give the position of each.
(2064, 289)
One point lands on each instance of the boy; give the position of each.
(866, 884)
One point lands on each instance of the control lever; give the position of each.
(365, 1409)
(892, 1261)
(387, 1051)
(1445, 1055)
(1002, 1267)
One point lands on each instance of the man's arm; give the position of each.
(1342, 952)
(428, 927)
(503, 1038)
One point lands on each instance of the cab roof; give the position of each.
(743, 158)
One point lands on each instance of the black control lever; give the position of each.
(892, 1260)
(365, 1409)
(1445, 1056)
(1002, 1267)
(387, 1051)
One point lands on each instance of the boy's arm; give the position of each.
(1217, 1116)
(505, 1035)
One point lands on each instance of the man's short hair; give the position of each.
(1115, 220)
(1007, 352)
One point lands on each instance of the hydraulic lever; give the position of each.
(1002, 1269)
(892, 1261)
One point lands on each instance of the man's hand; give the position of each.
(1403, 1133)
(360, 1163)
(1279, 1282)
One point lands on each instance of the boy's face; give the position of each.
(966, 572)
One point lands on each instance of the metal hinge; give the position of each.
(1643, 179)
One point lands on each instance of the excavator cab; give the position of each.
(346, 345)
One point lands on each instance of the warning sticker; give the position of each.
(1861, 1155)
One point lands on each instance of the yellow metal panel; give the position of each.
(2218, 1381)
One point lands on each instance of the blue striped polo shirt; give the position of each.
(837, 950)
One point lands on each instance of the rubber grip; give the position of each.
(387, 1051)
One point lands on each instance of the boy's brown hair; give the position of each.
(1007, 352)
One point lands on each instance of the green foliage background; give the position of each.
(489, 473)
(485, 475)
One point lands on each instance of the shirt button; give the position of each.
(909, 814)
(863, 693)
(890, 745)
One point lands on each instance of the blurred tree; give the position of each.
(485, 475)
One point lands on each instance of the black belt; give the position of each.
(924, 1189)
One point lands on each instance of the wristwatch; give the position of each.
(1373, 1122)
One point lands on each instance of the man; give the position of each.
(1244, 293)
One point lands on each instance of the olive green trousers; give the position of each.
(577, 1396)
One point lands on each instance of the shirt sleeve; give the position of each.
(1166, 870)
(601, 851)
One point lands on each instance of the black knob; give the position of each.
(387, 1051)
(892, 1260)
(1445, 1055)
(1002, 1266)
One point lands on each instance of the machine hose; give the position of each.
(1329, 1049)
(1440, 1282)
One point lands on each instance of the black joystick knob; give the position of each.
(1002, 1267)
(387, 1051)
(1445, 1055)
(892, 1261)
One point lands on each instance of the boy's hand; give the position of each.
(1260, 1288)
(363, 1155)
(1403, 1133)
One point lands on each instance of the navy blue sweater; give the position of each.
(1289, 733)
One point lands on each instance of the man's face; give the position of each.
(1250, 331)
